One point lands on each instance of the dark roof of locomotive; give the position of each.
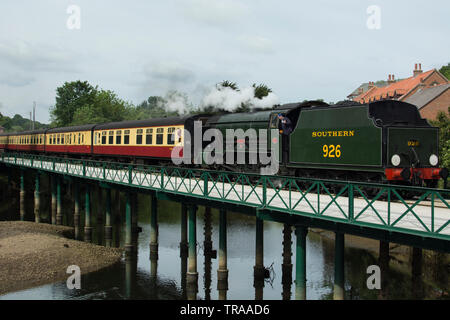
(312, 103)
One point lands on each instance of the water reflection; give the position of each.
(146, 276)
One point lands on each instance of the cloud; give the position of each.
(214, 12)
(256, 44)
(170, 72)
(37, 57)
(16, 79)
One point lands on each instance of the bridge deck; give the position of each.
(348, 204)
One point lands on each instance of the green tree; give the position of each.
(105, 107)
(229, 84)
(69, 98)
(261, 90)
(443, 122)
(445, 70)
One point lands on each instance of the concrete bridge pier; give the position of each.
(339, 278)
(53, 201)
(258, 269)
(87, 215)
(59, 217)
(76, 211)
(300, 262)
(222, 272)
(37, 202)
(286, 267)
(154, 236)
(108, 225)
(22, 195)
(192, 274)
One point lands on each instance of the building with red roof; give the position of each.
(406, 88)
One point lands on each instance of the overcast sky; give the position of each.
(301, 49)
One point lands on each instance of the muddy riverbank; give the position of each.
(35, 254)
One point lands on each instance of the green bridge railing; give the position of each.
(387, 207)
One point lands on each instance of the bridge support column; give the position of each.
(383, 261)
(416, 271)
(53, 203)
(108, 225)
(207, 232)
(300, 262)
(100, 211)
(207, 252)
(184, 236)
(154, 236)
(37, 202)
(118, 209)
(258, 269)
(22, 195)
(76, 213)
(134, 221)
(192, 274)
(222, 272)
(59, 218)
(183, 249)
(339, 280)
(87, 216)
(128, 225)
(286, 267)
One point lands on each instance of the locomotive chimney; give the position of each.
(417, 69)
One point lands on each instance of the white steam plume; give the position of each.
(228, 99)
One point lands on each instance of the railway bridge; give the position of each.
(339, 206)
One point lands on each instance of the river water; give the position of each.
(133, 279)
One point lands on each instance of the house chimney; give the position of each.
(417, 70)
(391, 79)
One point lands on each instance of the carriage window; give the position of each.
(139, 136)
(82, 138)
(118, 137)
(126, 137)
(62, 139)
(159, 135)
(79, 138)
(149, 136)
(170, 135)
(110, 137)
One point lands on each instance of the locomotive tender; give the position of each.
(384, 141)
